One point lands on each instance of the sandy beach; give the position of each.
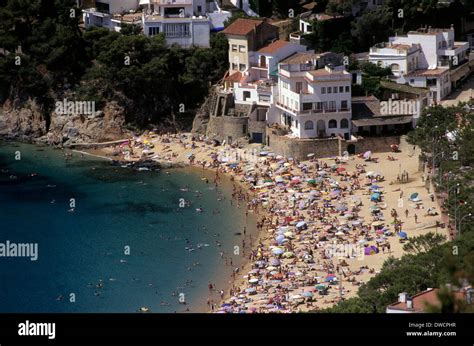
(325, 226)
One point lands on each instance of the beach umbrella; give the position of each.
(289, 234)
(339, 233)
(310, 155)
(379, 231)
(403, 235)
(300, 224)
(251, 290)
(275, 262)
(288, 254)
(377, 223)
(371, 250)
(280, 239)
(375, 187)
(311, 181)
(308, 294)
(253, 281)
(340, 169)
(375, 197)
(414, 195)
(263, 153)
(320, 287)
(278, 251)
(367, 155)
(330, 278)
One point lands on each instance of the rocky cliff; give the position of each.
(28, 122)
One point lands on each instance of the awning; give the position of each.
(460, 72)
(378, 121)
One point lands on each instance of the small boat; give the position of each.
(144, 309)
(143, 169)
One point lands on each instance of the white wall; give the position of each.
(118, 6)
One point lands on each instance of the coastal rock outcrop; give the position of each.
(106, 125)
(25, 122)
(29, 123)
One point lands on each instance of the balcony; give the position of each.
(172, 2)
(312, 111)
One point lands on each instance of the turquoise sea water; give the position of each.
(116, 209)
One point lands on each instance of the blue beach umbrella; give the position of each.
(278, 251)
(403, 235)
(375, 197)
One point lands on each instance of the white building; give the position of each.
(314, 98)
(423, 58)
(111, 14)
(183, 22)
(257, 84)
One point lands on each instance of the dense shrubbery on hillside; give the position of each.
(58, 60)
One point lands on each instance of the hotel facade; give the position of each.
(426, 58)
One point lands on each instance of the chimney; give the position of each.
(409, 303)
(402, 297)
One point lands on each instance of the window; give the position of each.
(244, 129)
(299, 87)
(329, 90)
(396, 68)
(177, 30)
(241, 49)
(332, 124)
(332, 105)
(344, 124)
(309, 125)
(343, 104)
(246, 95)
(234, 48)
(307, 106)
(285, 85)
(153, 31)
(323, 90)
(319, 106)
(412, 81)
(242, 67)
(102, 7)
(234, 66)
(199, 9)
(341, 89)
(325, 105)
(348, 89)
(334, 90)
(296, 123)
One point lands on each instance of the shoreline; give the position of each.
(194, 151)
(184, 151)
